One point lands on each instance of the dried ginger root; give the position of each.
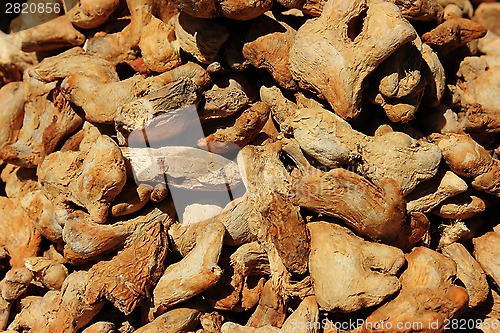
(125, 122)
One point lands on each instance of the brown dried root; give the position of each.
(64, 310)
(13, 61)
(245, 128)
(88, 14)
(271, 310)
(201, 38)
(195, 273)
(267, 45)
(459, 231)
(452, 34)
(245, 267)
(348, 43)
(12, 97)
(180, 320)
(12, 286)
(469, 272)
(281, 226)
(50, 273)
(48, 119)
(373, 265)
(236, 10)
(89, 179)
(427, 10)
(127, 279)
(100, 327)
(427, 295)
(131, 199)
(486, 253)
(460, 207)
(431, 193)
(467, 158)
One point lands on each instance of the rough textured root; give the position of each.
(460, 207)
(467, 158)
(334, 36)
(427, 10)
(486, 253)
(12, 97)
(427, 293)
(180, 281)
(138, 266)
(131, 199)
(281, 225)
(181, 320)
(453, 33)
(244, 129)
(236, 10)
(50, 273)
(271, 308)
(267, 45)
(469, 272)
(88, 14)
(375, 264)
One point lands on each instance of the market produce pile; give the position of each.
(250, 166)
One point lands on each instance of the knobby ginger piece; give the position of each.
(13, 61)
(486, 252)
(366, 271)
(180, 320)
(128, 277)
(90, 179)
(348, 41)
(131, 199)
(428, 296)
(245, 128)
(459, 231)
(467, 158)
(195, 273)
(236, 10)
(18, 235)
(431, 193)
(426, 10)
(271, 310)
(100, 327)
(281, 226)
(453, 33)
(469, 272)
(196, 213)
(48, 272)
(65, 310)
(460, 207)
(267, 45)
(200, 37)
(12, 97)
(88, 14)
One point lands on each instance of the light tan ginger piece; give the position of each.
(12, 99)
(427, 296)
(430, 194)
(310, 7)
(128, 278)
(247, 265)
(460, 207)
(240, 132)
(469, 272)
(195, 273)
(452, 34)
(183, 167)
(486, 252)
(305, 319)
(271, 310)
(236, 10)
(100, 327)
(180, 320)
(378, 213)
(90, 179)
(467, 158)
(211, 322)
(201, 38)
(18, 235)
(19, 182)
(48, 119)
(49, 273)
(64, 311)
(372, 266)
(348, 42)
(131, 199)
(487, 15)
(281, 227)
(158, 116)
(267, 45)
(12, 286)
(331, 141)
(13, 61)
(85, 240)
(88, 14)
(480, 110)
